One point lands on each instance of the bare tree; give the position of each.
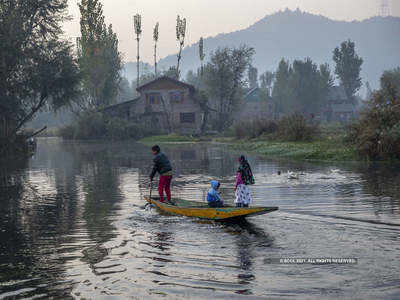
(137, 22)
(155, 38)
(201, 54)
(180, 36)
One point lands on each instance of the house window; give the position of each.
(188, 117)
(176, 97)
(154, 98)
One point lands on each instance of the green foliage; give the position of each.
(224, 80)
(94, 125)
(266, 82)
(376, 134)
(348, 67)
(37, 70)
(170, 138)
(301, 86)
(282, 93)
(316, 150)
(98, 56)
(252, 75)
(294, 127)
(254, 128)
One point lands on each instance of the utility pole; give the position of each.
(137, 24)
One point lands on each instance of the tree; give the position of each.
(308, 87)
(98, 56)
(301, 86)
(266, 82)
(376, 133)
(348, 67)
(180, 37)
(137, 24)
(155, 38)
(37, 70)
(201, 54)
(224, 80)
(326, 81)
(281, 92)
(252, 75)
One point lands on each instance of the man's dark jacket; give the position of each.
(161, 165)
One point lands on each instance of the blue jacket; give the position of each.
(212, 194)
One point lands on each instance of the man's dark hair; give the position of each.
(156, 148)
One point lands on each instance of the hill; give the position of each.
(297, 34)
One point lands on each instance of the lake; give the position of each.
(73, 225)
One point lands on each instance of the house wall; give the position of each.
(154, 114)
(249, 110)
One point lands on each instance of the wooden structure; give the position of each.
(203, 211)
(339, 107)
(166, 105)
(255, 105)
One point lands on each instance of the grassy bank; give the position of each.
(173, 138)
(324, 149)
(327, 150)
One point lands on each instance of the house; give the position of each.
(124, 110)
(339, 108)
(165, 105)
(255, 105)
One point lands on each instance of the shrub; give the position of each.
(95, 125)
(254, 128)
(376, 133)
(296, 128)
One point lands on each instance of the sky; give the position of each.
(207, 18)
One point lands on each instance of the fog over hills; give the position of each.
(296, 35)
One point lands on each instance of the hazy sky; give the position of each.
(208, 18)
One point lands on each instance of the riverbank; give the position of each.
(328, 149)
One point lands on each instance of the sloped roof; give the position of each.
(252, 91)
(121, 104)
(183, 84)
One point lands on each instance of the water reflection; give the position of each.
(72, 223)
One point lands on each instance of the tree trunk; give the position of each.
(179, 59)
(155, 59)
(137, 66)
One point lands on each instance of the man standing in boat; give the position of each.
(163, 167)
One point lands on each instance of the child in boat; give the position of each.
(213, 198)
(163, 167)
(244, 177)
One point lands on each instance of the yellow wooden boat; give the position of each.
(203, 211)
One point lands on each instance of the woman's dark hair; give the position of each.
(242, 159)
(156, 148)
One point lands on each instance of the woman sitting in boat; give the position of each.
(244, 178)
(213, 198)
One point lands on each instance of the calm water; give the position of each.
(72, 224)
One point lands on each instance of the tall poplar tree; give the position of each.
(98, 56)
(348, 67)
(155, 38)
(180, 37)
